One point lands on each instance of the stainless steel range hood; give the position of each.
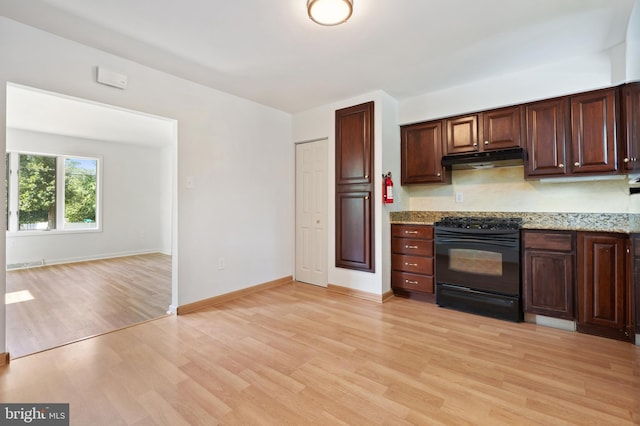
(486, 159)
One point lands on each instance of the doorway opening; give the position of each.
(72, 275)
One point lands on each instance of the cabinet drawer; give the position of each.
(412, 247)
(416, 264)
(412, 231)
(409, 281)
(559, 241)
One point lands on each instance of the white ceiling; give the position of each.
(272, 53)
(40, 111)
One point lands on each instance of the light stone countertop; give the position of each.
(604, 222)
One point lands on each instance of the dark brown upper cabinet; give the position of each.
(547, 131)
(421, 153)
(354, 187)
(594, 139)
(354, 148)
(485, 131)
(501, 128)
(631, 128)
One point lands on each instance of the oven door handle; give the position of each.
(465, 240)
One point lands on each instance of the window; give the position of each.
(52, 192)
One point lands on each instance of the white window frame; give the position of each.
(13, 191)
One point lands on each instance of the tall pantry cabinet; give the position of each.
(354, 188)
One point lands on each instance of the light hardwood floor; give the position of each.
(77, 300)
(297, 354)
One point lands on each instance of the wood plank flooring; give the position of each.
(297, 354)
(77, 300)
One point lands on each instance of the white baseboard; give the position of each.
(86, 258)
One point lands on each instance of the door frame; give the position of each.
(323, 277)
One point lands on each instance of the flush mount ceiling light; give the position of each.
(329, 12)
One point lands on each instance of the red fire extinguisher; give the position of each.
(387, 188)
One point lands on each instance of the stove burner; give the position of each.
(473, 222)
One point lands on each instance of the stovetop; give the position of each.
(471, 222)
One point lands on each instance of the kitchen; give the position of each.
(474, 264)
(494, 190)
(495, 85)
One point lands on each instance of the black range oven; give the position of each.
(478, 266)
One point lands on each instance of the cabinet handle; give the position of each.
(561, 166)
(411, 247)
(576, 164)
(411, 282)
(410, 232)
(366, 198)
(410, 264)
(626, 160)
(366, 176)
(486, 142)
(438, 174)
(475, 144)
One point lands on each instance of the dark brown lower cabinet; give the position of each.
(412, 266)
(353, 233)
(636, 281)
(603, 307)
(548, 278)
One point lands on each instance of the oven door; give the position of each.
(484, 260)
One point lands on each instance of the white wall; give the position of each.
(320, 123)
(632, 60)
(136, 202)
(239, 154)
(561, 78)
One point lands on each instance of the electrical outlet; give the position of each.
(459, 197)
(189, 182)
(221, 263)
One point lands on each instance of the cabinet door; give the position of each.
(636, 281)
(354, 249)
(462, 134)
(354, 148)
(548, 273)
(631, 117)
(548, 283)
(593, 125)
(602, 285)
(354, 187)
(421, 153)
(546, 136)
(501, 128)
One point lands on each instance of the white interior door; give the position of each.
(311, 212)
